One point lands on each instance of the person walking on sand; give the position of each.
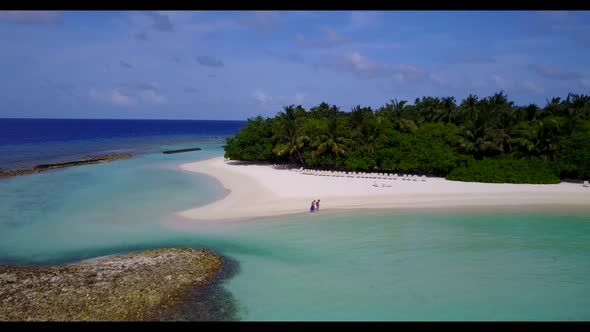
(312, 208)
(317, 205)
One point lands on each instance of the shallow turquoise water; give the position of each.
(414, 267)
(327, 266)
(83, 211)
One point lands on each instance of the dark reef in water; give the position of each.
(139, 286)
(181, 150)
(211, 302)
(45, 167)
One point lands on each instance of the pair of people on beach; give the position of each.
(315, 206)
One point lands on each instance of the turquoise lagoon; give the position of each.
(332, 265)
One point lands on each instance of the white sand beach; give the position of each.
(261, 190)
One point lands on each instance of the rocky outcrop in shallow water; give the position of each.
(131, 287)
(45, 167)
(181, 150)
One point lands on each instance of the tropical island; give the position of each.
(479, 139)
(481, 153)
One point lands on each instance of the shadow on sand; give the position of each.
(262, 163)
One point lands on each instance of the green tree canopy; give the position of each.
(486, 139)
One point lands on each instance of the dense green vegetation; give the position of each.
(503, 170)
(484, 140)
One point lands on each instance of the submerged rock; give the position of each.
(131, 287)
(181, 150)
(45, 167)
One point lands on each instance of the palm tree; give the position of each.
(286, 134)
(468, 138)
(467, 110)
(504, 110)
(398, 107)
(530, 113)
(370, 134)
(393, 110)
(446, 110)
(554, 107)
(577, 106)
(539, 138)
(479, 135)
(323, 110)
(405, 125)
(299, 112)
(501, 139)
(331, 140)
(357, 116)
(428, 108)
(397, 113)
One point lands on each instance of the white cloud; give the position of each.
(184, 24)
(152, 97)
(529, 85)
(472, 60)
(361, 19)
(299, 97)
(261, 96)
(407, 73)
(120, 97)
(265, 99)
(439, 79)
(331, 38)
(366, 68)
(113, 97)
(358, 64)
(554, 73)
(500, 81)
(377, 45)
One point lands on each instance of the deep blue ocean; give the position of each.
(27, 142)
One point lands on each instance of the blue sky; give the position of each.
(233, 65)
